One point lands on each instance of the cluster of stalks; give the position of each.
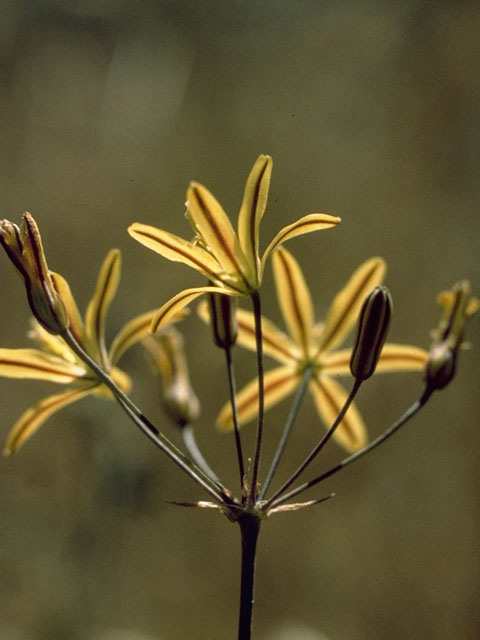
(253, 500)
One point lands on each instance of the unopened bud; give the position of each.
(458, 308)
(372, 329)
(166, 349)
(223, 320)
(24, 248)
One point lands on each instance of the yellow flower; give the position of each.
(231, 261)
(56, 362)
(314, 345)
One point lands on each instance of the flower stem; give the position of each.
(233, 402)
(307, 374)
(146, 426)
(313, 454)
(409, 413)
(190, 442)
(249, 530)
(261, 403)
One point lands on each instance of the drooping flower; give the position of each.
(230, 260)
(457, 309)
(54, 361)
(24, 248)
(314, 345)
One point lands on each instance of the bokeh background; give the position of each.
(370, 111)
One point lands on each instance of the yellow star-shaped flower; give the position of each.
(56, 362)
(230, 260)
(314, 345)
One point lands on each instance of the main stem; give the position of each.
(249, 530)
(257, 312)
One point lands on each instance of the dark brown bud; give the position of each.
(372, 329)
(223, 320)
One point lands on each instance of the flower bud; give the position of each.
(24, 248)
(166, 349)
(458, 308)
(372, 329)
(223, 319)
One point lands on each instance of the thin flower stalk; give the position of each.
(190, 442)
(146, 426)
(257, 312)
(408, 415)
(238, 440)
(316, 450)
(286, 432)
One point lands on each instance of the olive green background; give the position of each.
(370, 111)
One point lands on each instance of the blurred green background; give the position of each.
(370, 111)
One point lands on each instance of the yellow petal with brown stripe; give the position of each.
(252, 209)
(401, 357)
(215, 230)
(132, 332)
(76, 321)
(34, 417)
(394, 357)
(176, 249)
(275, 343)
(105, 289)
(168, 312)
(329, 398)
(34, 364)
(278, 384)
(294, 299)
(336, 363)
(346, 305)
(306, 224)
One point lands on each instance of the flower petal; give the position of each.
(401, 357)
(275, 343)
(252, 209)
(346, 306)
(34, 417)
(51, 344)
(105, 289)
(132, 332)
(176, 249)
(215, 230)
(37, 365)
(329, 398)
(278, 384)
(306, 224)
(63, 289)
(336, 363)
(394, 357)
(294, 299)
(175, 305)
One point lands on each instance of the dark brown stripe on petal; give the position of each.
(344, 424)
(270, 386)
(294, 302)
(211, 274)
(266, 340)
(38, 367)
(220, 237)
(253, 217)
(359, 293)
